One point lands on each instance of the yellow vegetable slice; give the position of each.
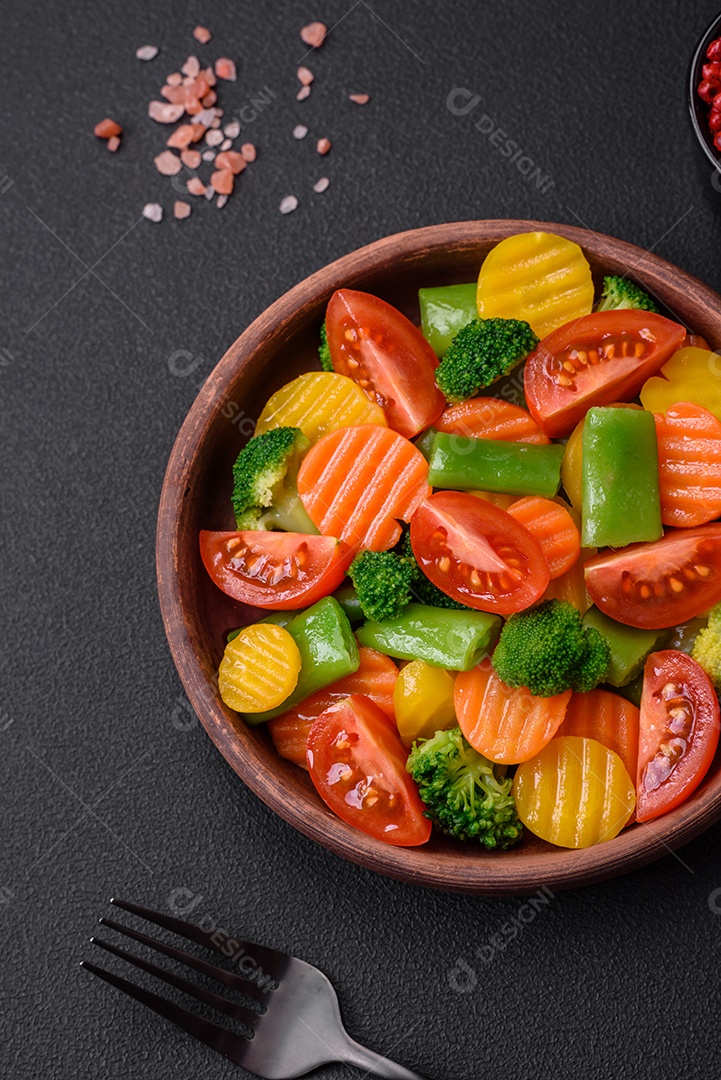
(536, 276)
(575, 793)
(690, 375)
(423, 701)
(259, 669)
(319, 402)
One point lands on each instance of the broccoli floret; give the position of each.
(264, 482)
(481, 352)
(707, 648)
(465, 795)
(619, 292)
(382, 582)
(549, 650)
(423, 589)
(323, 351)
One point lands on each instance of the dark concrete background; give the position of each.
(106, 784)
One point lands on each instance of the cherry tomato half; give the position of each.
(358, 766)
(595, 360)
(679, 732)
(477, 553)
(662, 583)
(378, 347)
(276, 570)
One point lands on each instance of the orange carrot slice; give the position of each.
(609, 719)
(490, 418)
(689, 464)
(357, 481)
(375, 677)
(505, 725)
(553, 527)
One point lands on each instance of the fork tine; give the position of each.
(237, 1012)
(271, 960)
(213, 1035)
(228, 978)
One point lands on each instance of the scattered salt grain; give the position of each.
(215, 123)
(303, 93)
(314, 34)
(221, 201)
(208, 155)
(113, 143)
(153, 211)
(305, 76)
(232, 130)
(147, 52)
(288, 204)
(191, 67)
(196, 186)
(181, 209)
(164, 113)
(323, 146)
(300, 131)
(248, 151)
(184, 135)
(167, 163)
(222, 181)
(107, 128)
(202, 34)
(174, 79)
(205, 117)
(210, 193)
(226, 144)
(321, 185)
(213, 138)
(360, 99)
(190, 158)
(225, 69)
(232, 160)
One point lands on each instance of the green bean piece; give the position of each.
(424, 442)
(619, 478)
(445, 309)
(443, 638)
(462, 463)
(629, 646)
(328, 652)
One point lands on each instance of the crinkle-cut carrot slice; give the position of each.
(357, 482)
(491, 418)
(689, 464)
(608, 718)
(553, 527)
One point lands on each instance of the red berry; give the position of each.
(716, 103)
(707, 90)
(712, 71)
(714, 50)
(714, 121)
(717, 140)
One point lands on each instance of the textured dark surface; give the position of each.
(107, 785)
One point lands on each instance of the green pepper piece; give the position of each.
(513, 468)
(328, 652)
(445, 309)
(629, 646)
(443, 638)
(619, 478)
(424, 442)
(347, 597)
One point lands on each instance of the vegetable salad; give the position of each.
(487, 554)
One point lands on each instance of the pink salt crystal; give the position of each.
(191, 67)
(215, 124)
(175, 79)
(221, 201)
(202, 34)
(300, 131)
(225, 69)
(205, 117)
(164, 113)
(305, 76)
(153, 211)
(208, 155)
(321, 185)
(209, 99)
(303, 93)
(210, 193)
(288, 204)
(248, 151)
(213, 137)
(168, 163)
(360, 99)
(226, 144)
(181, 209)
(314, 34)
(113, 143)
(195, 186)
(191, 158)
(147, 52)
(232, 130)
(323, 146)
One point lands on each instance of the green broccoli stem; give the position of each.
(287, 513)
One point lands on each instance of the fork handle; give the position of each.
(376, 1065)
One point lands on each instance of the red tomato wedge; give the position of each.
(490, 418)
(380, 349)
(358, 766)
(595, 360)
(505, 725)
(660, 584)
(689, 465)
(375, 678)
(275, 570)
(553, 527)
(679, 732)
(609, 719)
(477, 553)
(357, 481)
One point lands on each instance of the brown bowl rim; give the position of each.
(437, 867)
